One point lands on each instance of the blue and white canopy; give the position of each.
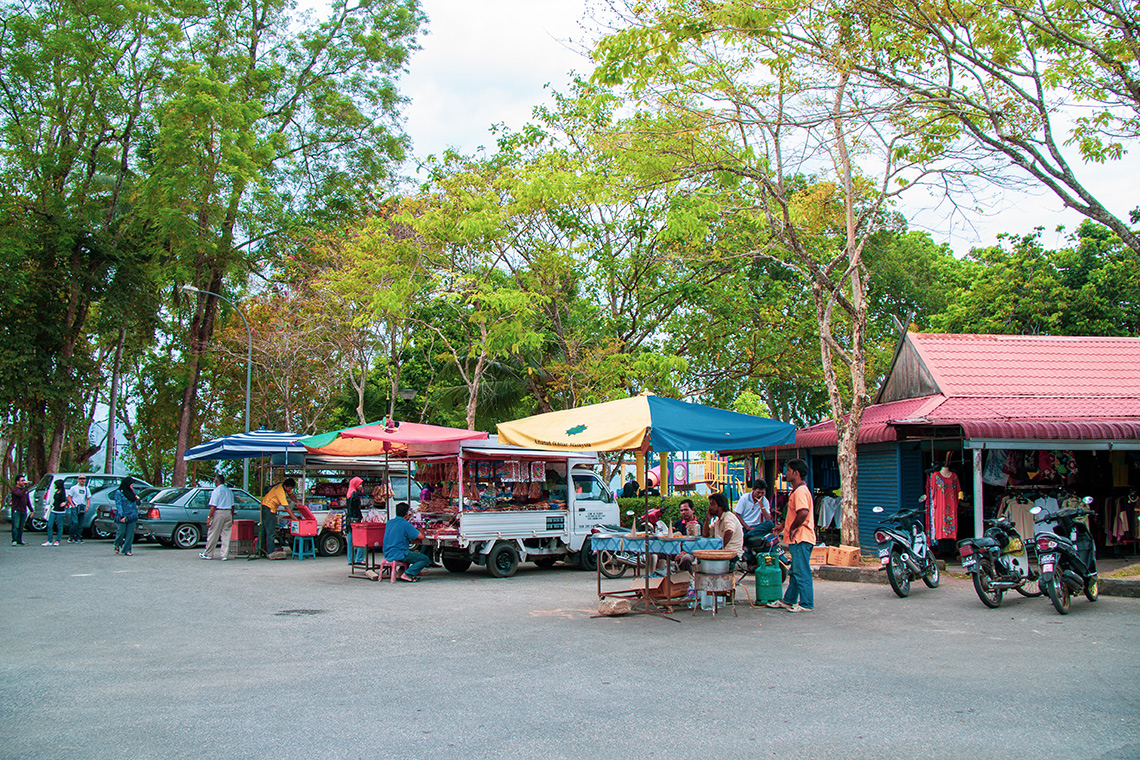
(256, 443)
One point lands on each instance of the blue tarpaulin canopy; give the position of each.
(625, 424)
(256, 443)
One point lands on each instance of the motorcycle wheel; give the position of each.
(898, 575)
(1059, 593)
(933, 576)
(610, 566)
(983, 584)
(1031, 588)
(1092, 590)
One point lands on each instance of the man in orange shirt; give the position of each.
(799, 535)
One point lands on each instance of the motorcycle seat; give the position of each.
(986, 543)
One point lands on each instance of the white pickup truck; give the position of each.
(502, 537)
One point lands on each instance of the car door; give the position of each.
(593, 503)
(198, 507)
(246, 507)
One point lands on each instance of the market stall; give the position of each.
(643, 423)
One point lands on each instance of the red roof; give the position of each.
(1013, 386)
(1030, 365)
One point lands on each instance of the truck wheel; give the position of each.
(503, 561)
(330, 544)
(546, 562)
(587, 560)
(456, 564)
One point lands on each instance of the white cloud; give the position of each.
(486, 63)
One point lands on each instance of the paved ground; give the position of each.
(162, 655)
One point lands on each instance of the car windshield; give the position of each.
(44, 481)
(168, 496)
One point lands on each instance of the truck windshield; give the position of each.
(589, 487)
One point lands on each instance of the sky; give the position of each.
(489, 62)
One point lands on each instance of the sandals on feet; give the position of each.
(408, 578)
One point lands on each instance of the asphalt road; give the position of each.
(163, 655)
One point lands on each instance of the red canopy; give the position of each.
(394, 438)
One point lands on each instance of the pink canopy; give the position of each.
(393, 438)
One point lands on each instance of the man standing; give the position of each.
(725, 525)
(78, 500)
(281, 495)
(799, 535)
(753, 508)
(21, 506)
(220, 520)
(397, 533)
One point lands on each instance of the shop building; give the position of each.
(983, 423)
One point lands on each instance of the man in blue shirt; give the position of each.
(397, 533)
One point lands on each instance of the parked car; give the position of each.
(177, 516)
(41, 494)
(104, 524)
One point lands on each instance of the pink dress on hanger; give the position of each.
(943, 494)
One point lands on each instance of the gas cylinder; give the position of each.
(769, 587)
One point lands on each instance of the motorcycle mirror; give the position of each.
(1087, 500)
(1035, 510)
(876, 509)
(629, 511)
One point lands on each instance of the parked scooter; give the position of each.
(999, 561)
(904, 550)
(1067, 556)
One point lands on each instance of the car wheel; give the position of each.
(587, 560)
(36, 524)
(330, 544)
(546, 562)
(187, 536)
(98, 532)
(456, 564)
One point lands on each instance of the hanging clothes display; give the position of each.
(943, 491)
(828, 511)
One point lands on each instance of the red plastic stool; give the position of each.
(393, 567)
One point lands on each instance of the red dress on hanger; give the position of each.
(942, 492)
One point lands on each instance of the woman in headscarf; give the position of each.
(126, 515)
(353, 514)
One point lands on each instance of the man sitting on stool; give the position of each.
(397, 533)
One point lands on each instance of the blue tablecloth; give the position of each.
(671, 546)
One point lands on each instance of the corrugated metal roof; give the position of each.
(875, 427)
(1030, 365)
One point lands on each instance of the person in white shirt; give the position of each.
(78, 500)
(753, 507)
(220, 521)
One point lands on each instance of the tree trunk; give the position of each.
(201, 329)
(112, 402)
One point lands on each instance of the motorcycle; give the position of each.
(999, 561)
(904, 551)
(1067, 556)
(761, 541)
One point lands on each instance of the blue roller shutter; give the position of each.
(879, 469)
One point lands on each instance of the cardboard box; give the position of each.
(843, 556)
(675, 586)
(819, 555)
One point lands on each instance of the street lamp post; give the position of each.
(248, 369)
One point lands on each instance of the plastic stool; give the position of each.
(394, 567)
(303, 546)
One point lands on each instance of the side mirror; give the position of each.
(922, 498)
(1035, 510)
(1087, 500)
(629, 512)
(876, 510)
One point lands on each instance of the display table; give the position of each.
(634, 544)
(370, 537)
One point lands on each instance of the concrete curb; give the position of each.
(1108, 586)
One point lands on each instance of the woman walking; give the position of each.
(57, 515)
(353, 514)
(126, 515)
